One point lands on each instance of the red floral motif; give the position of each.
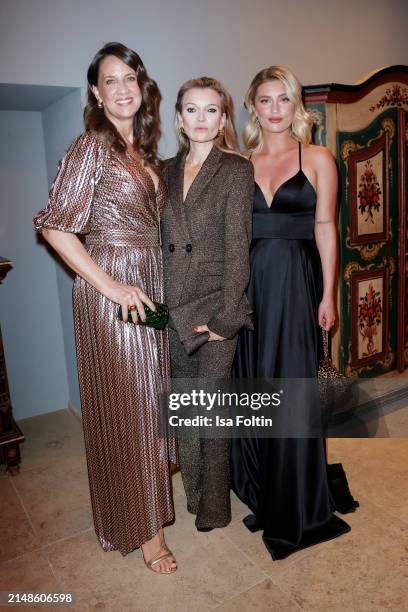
(394, 96)
(369, 317)
(369, 192)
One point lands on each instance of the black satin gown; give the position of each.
(283, 481)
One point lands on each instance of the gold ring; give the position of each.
(132, 307)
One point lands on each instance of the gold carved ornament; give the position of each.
(368, 252)
(317, 118)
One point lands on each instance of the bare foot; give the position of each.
(155, 548)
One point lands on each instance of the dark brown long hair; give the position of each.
(227, 139)
(146, 123)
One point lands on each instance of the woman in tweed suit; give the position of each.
(206, 230)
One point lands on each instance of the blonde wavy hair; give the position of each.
(301, 128)
(226, 140)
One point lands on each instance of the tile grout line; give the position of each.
(68, 537)
(23, 506)
(265, 576)
(384, 509)
(32, 524)
(43, 547)
(60, 582)
(289, 595)
(225, 601)
(250, 588)
(29, 521)
(36, 468)
(246, 556)
(269, 575)
(306, 554)
(26, 552)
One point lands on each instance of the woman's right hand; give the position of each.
(127, 296)
(72, 251)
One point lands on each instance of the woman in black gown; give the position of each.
(283, 480)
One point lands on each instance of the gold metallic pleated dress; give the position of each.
(120, 366)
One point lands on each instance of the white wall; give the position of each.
(52, 41)
(29, 300)
(62, 121)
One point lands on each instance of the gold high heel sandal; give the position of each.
(160, 557)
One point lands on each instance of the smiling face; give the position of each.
(118, 90)
(201, 114)
(273, 107)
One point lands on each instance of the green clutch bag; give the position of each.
(157, 319)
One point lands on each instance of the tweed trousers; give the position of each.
(204, 463)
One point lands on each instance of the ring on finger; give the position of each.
(132, 307)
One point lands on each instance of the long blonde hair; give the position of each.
(227, 138)
(301, 128)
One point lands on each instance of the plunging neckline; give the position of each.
(291, 178)
(300, 171)
(280, 187)
(145, 172)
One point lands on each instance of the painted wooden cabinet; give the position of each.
(366, 128)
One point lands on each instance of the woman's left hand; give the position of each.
(327, 313)
(203, 328)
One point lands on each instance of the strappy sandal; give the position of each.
(160, 557)
(154, 560)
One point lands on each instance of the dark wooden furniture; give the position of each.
(10, 433)
(366, 128)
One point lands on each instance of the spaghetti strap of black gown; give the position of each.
(283, 481)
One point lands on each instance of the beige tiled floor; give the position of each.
(47, 543)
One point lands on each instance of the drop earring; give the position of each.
(100, 104)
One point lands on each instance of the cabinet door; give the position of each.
(403, 140)
(369, 238)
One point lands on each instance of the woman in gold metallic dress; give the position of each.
(108, 188)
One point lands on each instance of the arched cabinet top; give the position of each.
(347, 94)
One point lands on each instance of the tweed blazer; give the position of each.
(206, 242)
